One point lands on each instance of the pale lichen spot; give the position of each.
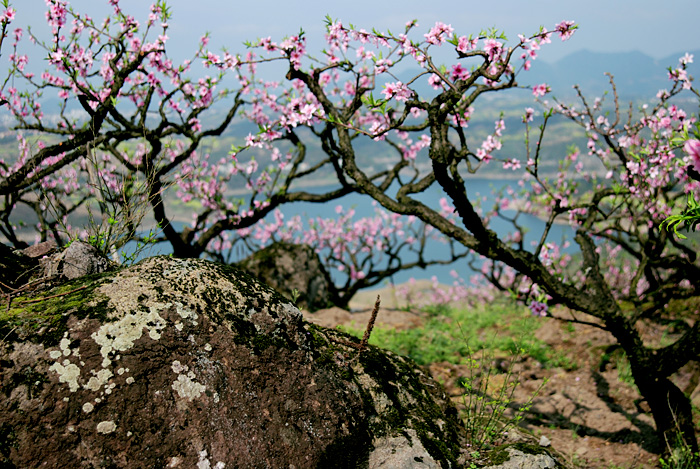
(88, 407)
(67, 373)
(106, 427)
(185, 387)
(185, 312)
(64, 345)
(55, 354)
(100, 379)
(120, 371)
(178, 367)
(204, 463)
(120, 335)
(207, 347)
(179, 326)
(129, 380)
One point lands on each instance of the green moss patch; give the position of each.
(41, 317)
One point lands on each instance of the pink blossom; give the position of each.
(565, 29)
(538, 308)
(8, 15)
(438, 32)
(435, 81)
(397, 90)
(482, 155)
(56, 15)
(459, 72)
(493, 48)
(681, 75)
(545, 36)
(692, 148)
(445, 208)
(20, 61)
(500, 127)
(513, 164)
(540, 90)
(465, 44)
(56, 58)
(382, 65)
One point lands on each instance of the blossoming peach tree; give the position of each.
(140, 122)
(629, 272)
(128, 134)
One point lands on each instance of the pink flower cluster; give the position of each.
(397, 90)
(692, 148)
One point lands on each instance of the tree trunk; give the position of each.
(671, 409)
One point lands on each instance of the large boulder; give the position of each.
(187, 363)
(287, 267)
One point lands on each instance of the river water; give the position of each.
(364, 206)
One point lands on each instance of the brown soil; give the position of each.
(592, 416)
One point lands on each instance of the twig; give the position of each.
(7, 286)
(8, 334)
(370, 325)
(53, 296)
(17, 291)
(28, 285)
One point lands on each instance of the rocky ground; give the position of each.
(591, 414)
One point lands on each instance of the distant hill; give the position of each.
(637, 75)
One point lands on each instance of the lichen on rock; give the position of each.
(172, 359)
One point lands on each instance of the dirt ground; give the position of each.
(593, 418)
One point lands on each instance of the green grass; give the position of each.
(490, 339)
(449, 335)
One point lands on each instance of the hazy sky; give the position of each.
(650, 26)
